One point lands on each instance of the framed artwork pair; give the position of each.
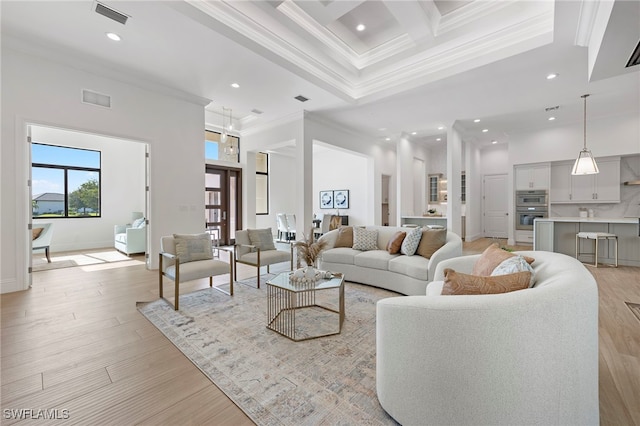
(334, 199)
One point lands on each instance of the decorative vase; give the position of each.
(310, 273)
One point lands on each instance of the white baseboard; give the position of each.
(469, 238)
(10, 285)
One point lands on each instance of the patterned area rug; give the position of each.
(275, 381)
(635, 308)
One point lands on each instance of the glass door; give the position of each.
(222, 204)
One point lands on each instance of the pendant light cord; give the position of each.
(585, 120)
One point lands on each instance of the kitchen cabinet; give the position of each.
(532, 177)
(603, 187)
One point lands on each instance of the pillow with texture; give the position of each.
(345, 237)
(365, 239)
(193, 247)
(411, 242)
(396, 242)
(456, 283)
(35, 232)
(262, 239)
(512, 265)
(138, 223)
(491, 258)
(431, 241)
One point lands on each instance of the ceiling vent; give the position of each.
(256, 111)
(635, 57)
(301, 98)
(95, 98)
(111, 13)
(553, 108)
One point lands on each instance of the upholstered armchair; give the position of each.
(255, 247)
(131, 238)
(188, 257)
(42, 234)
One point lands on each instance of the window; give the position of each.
(215, 149)
(262, 183)
(65, 182)
(463, 189)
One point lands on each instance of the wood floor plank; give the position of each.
(22, 387)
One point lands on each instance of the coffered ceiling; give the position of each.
(416, 67)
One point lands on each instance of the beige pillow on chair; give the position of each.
(193, 247)
(262, 239)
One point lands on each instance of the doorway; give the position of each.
(495, 206)
(223, 203)
(385, 200)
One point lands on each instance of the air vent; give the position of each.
(301, 98)
(552, 108)
(95, 98)
(111, 13)
(635, 57)
(256, 111)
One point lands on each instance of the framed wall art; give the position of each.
(341, 199)
(326, 199)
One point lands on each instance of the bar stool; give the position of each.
(597, 236)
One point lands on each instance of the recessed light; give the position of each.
(438, 139)
(485, 130)
(552, 76)
(551, 118)
(361, 27)
(441, 128)
(494, 142)
(387, 139)
(477, 120)
(114, 36)
(235, 85)
(414, 133)
(382, 129)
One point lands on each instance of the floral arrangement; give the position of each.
(309, 249)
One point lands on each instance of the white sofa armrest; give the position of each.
(462, 264)
(330, 237)
(451, 249)
(120, 229)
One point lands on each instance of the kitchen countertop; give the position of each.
(629, 220)
(423, 217)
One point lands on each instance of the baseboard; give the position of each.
(469, 238)
(9, 286)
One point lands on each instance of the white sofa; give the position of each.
(131, 238)
(403, 274)
(519, 358)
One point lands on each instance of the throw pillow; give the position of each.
(431, 241)
(192, 247)
(395, 243)
(262, 239)
(459, 283)
(365, 239)
(492, 257)
(411, 241)
(35, 232)
(138, 223)
(512, 265)
(345, 237)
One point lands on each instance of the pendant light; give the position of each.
(223, 136)
(585, 163)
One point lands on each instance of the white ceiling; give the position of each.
(417, 66)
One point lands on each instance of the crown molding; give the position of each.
(287, 119)
(586, 22)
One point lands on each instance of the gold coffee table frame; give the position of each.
(285, 298)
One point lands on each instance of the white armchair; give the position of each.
(43, 238)
(131, 238)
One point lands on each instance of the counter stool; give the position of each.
(597, 236)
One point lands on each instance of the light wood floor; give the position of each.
(76, 342)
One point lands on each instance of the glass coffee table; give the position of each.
(306, 303)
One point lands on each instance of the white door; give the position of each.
(495, 196)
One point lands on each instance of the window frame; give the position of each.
(268, 187)
(66, 170)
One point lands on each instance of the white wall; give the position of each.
(337, 169)
(494, 160)
(39, 91)
(281, 191)
(122, 188)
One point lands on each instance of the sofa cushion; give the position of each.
(121, 238)
(196, 270)
(411, 242)
(395, 243)
(267, 257)
(375, 259)
(193, 247)
(345, 237)
(262, 238)
(456, 283)
(343, 255)
(431, 241)
(512, 265)
(413, 266)
(491, 258)
(365, 239)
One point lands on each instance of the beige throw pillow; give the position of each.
(395, 243)
(456, 283)
(193, 247)
(345, 237)
(492, 257)
(262, 239)
(431, 241)
(35, 232)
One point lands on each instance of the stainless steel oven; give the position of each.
(526, 215)
(537, 198)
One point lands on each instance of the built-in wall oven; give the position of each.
(529, 206)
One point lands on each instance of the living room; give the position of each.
(311, 152)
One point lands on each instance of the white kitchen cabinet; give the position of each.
(603, 187)
(532, 177)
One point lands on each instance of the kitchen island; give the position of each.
(424, 220)
(558, 234)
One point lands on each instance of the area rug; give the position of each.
(635, 308)
(275, 381)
